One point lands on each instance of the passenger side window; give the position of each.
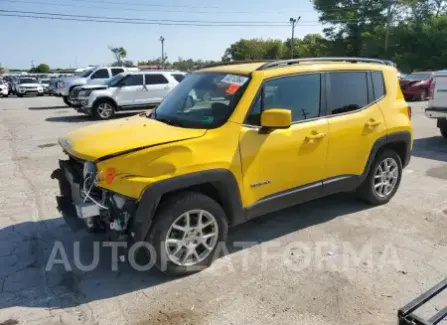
(348, 92)
(133, 80)
(178, 77)
(116, 71)
(300, 94)
(101, 74)
(378, 84)
(155, 79)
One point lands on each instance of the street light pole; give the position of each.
(162, 40)
(293, 21)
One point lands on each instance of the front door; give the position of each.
(130, 90)
(355, 121)
(285, 163)
(157, 87)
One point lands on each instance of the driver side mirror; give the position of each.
(276, 118)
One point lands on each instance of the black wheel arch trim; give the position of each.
(105, 98)
(222, 180)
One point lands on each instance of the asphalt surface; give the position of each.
(333, 261)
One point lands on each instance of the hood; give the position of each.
(408, 83)
(75, 81)
(101, 140)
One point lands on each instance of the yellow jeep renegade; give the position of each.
(234, 142)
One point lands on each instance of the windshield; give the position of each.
(202, 100)
(418, 76)
(45, 81)
(113, 82)
(27, 81)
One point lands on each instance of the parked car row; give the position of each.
(127, 90)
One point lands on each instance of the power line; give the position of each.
(57, 4)
(147, 20)
(140, 21)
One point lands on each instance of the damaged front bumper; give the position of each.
(107, 211)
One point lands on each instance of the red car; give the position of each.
(416, 85)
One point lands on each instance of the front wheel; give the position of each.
(104, 109)
(383, 179)
(187, 232)
(66, 101)
(19, 95)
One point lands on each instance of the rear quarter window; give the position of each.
(378, 84)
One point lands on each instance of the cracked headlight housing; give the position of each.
(89, 170)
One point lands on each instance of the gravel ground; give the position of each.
(333, 261)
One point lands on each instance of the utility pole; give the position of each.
(388, 23)
(162, 40)
(293, 21)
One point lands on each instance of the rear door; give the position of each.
(157, 87)
(355, 124)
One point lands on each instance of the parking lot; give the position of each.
(333, 261)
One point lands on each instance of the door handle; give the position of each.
(314, 135)
(373, 123)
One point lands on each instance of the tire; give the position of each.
(19, 95)
(65, 99)
(369, 191)
(173, 210)
(423, 96)
(104, 109)
(443, 131)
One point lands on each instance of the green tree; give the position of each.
(347, 22)
(43, 68)
(253, 49)
(119, 53)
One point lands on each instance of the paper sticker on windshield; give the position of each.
(234, 79)
(232, 89)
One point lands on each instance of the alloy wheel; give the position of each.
(105, 110)
(191, 238)
(386, 177)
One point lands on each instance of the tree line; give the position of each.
(417, 34)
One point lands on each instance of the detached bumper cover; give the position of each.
(407, 317)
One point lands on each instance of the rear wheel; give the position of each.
(186, 233)
(104, 109)
(383, 179)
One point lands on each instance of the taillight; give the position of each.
(431, 91)
(409, 111)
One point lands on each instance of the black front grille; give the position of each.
(75, 92)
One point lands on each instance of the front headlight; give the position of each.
(89, 170)
(85, 93)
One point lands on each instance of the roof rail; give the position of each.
(280, 63)
(217, 64)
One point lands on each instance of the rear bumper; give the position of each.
(437, 113)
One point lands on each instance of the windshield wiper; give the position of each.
(170, 122)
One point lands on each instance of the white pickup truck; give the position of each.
(93, 76)
(437, 103)
(126, 91)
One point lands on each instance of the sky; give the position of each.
(75, 44)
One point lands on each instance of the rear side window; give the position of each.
(155, 79)
(348, 92)
(178, 77)
(378, 84)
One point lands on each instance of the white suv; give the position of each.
(95, 76)
(126, 91)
